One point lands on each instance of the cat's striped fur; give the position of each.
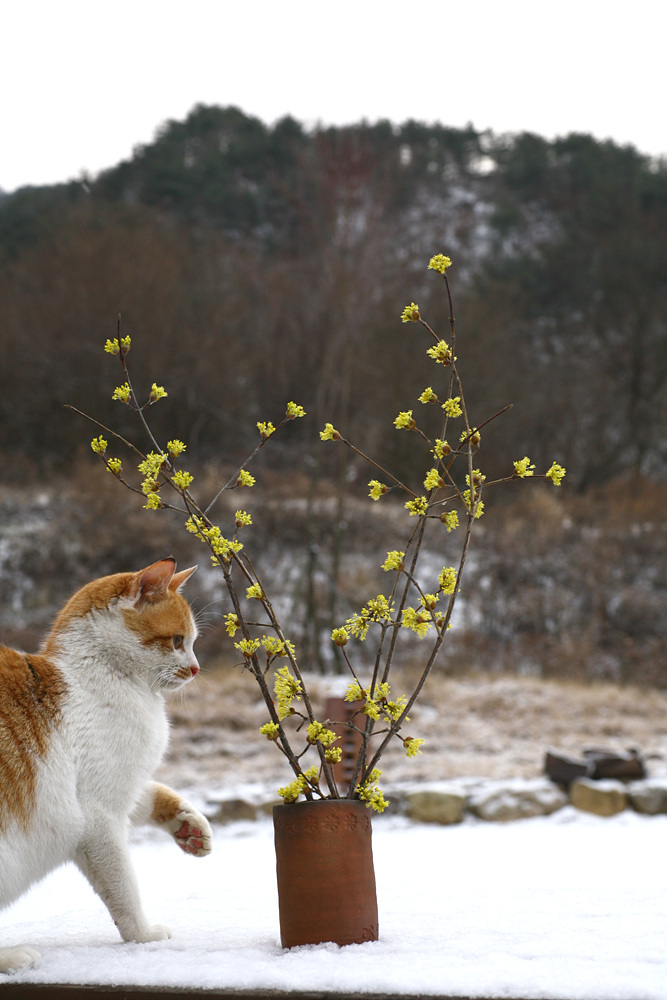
(82, 729)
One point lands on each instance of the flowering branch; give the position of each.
(409, 605)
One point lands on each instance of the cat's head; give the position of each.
(141, 614)
(163, 622)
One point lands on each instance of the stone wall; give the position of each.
(494, 801)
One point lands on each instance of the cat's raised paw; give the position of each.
(193, 835)
(19, 957)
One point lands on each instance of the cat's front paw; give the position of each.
(155, 933)
(20, 957)
(193, 832)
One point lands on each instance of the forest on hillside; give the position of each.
(255, 264)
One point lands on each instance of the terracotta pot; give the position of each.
(326, 879)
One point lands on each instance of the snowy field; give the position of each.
(566, 906)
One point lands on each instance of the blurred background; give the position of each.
(258, 193)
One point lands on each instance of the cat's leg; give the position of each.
(167, 809)
(19, 957)
(105, 861)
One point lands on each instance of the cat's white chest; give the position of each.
(117, 733)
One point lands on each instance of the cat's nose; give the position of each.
(194, 669)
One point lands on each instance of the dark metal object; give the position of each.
(595, 763)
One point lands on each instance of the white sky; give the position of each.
(82, 83)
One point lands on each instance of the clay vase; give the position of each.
(326, 879)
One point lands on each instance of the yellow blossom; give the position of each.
(175, 447)
(394, 709)
(317, 733)
(404, 421)
(157, 392)
(475, 437)
(371, 709)
(223, 548)
(412, 746)
(555, 474)
(452, 408)
(358, 624)
(371, 794)
(286, 688)
(416, 621)
(113, 347)
(353, 692)
(339, 636)
(433, 480)
(270, 730)
(245, 479)
(441, 353)
(182, 479)
(149, 486)
(242, 519)
(379, 609)
(273, 645)
(417, 507)
(290, 793)
(329, 433)
(439, 263)
(378, 489)
(195, 525)
(152, 464)
(231, 623)
(441, 448)
(477, 478)
(333, 755)
(411, 313)
(294, 411)
(248, 647)
(122, 392)
(265, 429)
(114, 465)
(450, 519)
(428, 396)
(153, 501)
(523, 468)
(254, 591)
(478, 508)
(99, 445)
(447, 580)
(394, 560)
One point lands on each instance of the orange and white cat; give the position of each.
(82, 729)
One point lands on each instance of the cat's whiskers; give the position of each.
(204, 612)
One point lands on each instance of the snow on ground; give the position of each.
(568, 906)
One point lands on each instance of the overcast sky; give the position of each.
(83, 82)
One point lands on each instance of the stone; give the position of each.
(649, 797)
(232, 810)
(503, 801)
(444, 806)
(603, 798)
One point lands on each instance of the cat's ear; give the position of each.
(153, 582)
(178, 579)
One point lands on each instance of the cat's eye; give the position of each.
(177, 641)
